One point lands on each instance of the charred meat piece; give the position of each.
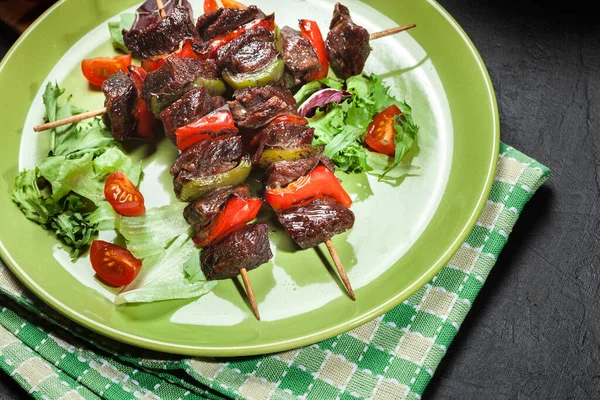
(219, 101)
(207, 165)
(120, 96)
(224, 20)
(250, 51)
(208, 157)
(194, 104)
(347, 44)
(162, 37)
(175, 77)
(281, 173)
(245, 248)
(299, 55)
(292, 140)
(202, 212)
(255, 107)
(316, 222)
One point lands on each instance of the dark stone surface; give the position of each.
(534, 330)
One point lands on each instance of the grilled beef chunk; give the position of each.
(224, 20)
(120, 96)
(281, 173)
(248, 52)
(162, 37)
(316, 222)
(286, 135)
(175, 77)
(245, 248)
(299, 55)
(256, 107)
(202, 212)
(208, 157)
(219, 101)
(194, 104)
(347, 44)
(205, 158)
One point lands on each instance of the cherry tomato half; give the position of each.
(123, 196)
(114, 264)
(97, 70)
(381, 132)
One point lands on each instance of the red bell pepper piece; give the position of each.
(214, 126)
(237, 213)
(145, 120)
(320, 183)
(310, 30)
(185, 51)
(215, 44)
(293, 118)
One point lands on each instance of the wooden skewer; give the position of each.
(340, 268)
(161, 9)
(70, 120)
(391, 31)
(250, 292)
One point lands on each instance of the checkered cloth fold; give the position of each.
(391, 357)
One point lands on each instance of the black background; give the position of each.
(534, 330)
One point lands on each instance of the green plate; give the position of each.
(404, 232)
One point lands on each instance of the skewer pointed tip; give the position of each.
(391, 31)
(250, 292)
(340, 269)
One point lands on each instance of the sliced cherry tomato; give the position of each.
(215, 44)
(185, 50)
(114, 264)
(214, 126)
(123, 196)
(381, 132)
(237, 213)
(293, 118)
(145, 120)
(321, 182)
(212, 5)
(233, 4)
(97, 70)
(310, 30)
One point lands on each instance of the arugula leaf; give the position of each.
(71, 225)
(116, 31)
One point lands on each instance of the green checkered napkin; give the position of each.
(391, 357)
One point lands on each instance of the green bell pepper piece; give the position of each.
(271, 73)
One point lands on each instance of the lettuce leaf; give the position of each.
(150, 234)
(163, 277)
(30, 197)
(116, 31)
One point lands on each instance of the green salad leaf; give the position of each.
(341, 127)
(62, 192)
(191, 268)
(116, 31)
(30, 195)
(163, 276)
(150, 234)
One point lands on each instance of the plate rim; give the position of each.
(297, 342)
